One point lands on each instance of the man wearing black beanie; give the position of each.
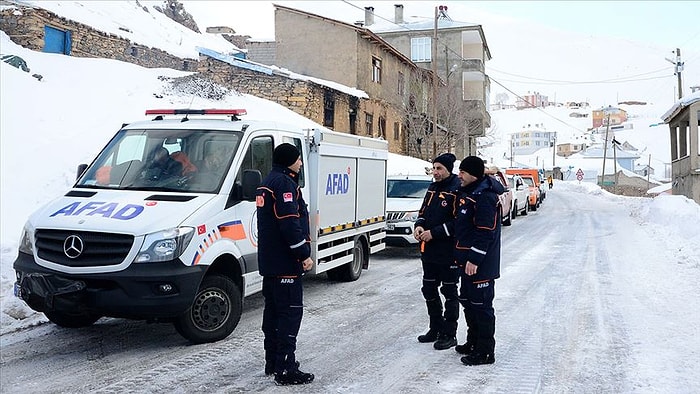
(478, 254)
(434, 228)
(284, 254)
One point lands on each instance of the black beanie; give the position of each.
(285, 155)
(447, 160)
(473, 165)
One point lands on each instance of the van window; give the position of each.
(257, 157)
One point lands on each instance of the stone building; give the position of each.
(42, 30)
(397, 88)
(315, 100)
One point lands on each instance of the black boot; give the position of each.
(270, 367)
(293, 377)
(445, 341)
(465, 349)
(430, 336)
(478, 358)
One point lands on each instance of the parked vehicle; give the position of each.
(521, 194)
(179, 244)
(505, 198)
(537, 180)
(404, 198)
(534, 199)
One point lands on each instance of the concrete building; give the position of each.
(683, 121)
(398, 89)
(458, 56)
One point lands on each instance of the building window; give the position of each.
(376, 70)
(421, 49)
(396, 130)
(402, 82)
(328, 109)
(368, 123)
(134, 51)
(382, 127)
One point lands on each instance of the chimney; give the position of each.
(369, 16)
(398, 13)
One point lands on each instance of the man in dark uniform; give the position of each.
(434, 229)
(284, 253)
(478, 253)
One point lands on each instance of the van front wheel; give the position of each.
(215, 312)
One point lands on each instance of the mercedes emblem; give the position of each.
(73, 246)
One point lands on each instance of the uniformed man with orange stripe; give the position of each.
(434, 228)
(478, 253)
(284, 254)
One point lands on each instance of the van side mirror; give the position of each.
(251, 180)
(81, 170)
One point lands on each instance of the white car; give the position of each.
(405, 195)
(520, 195)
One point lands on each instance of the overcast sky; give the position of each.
(664, 23)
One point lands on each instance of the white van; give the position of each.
(405, 194)
(177, 241)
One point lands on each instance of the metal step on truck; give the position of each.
(162, 226)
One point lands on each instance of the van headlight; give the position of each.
(411, 216)
(165, 245)
(25, 240)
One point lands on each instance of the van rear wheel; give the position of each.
(351, 271)
(215, 312)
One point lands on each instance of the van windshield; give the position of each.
(194, 161)
(407, 188)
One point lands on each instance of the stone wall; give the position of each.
(302, 97)
(25, 27)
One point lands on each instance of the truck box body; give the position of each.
(172, 244)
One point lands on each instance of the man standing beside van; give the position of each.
(434, 229)
(284, 254)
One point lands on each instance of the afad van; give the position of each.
(178, 242)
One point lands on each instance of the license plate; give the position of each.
(17, 290)
(390, 226)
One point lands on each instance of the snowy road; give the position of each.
(573, 315)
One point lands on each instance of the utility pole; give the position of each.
(554, 149)
(614, 145)
(605, 149)
(679, 68)
(435, 81)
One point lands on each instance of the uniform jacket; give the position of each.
(283, 224)
(437, 214)
(478, 227)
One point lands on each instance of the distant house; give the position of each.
(532, 100)
(531, 139)
(624, 158)
(617, 116)
(568, 149)
(683, 120)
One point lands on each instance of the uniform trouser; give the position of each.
(282, 319)
(477, 300)
(443, 277)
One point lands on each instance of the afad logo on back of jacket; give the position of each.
(338, 183)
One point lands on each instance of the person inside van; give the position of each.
(162, 166)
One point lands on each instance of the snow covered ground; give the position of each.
(638, 259)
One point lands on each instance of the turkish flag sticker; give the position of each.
(201, 229)
(287, 197)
